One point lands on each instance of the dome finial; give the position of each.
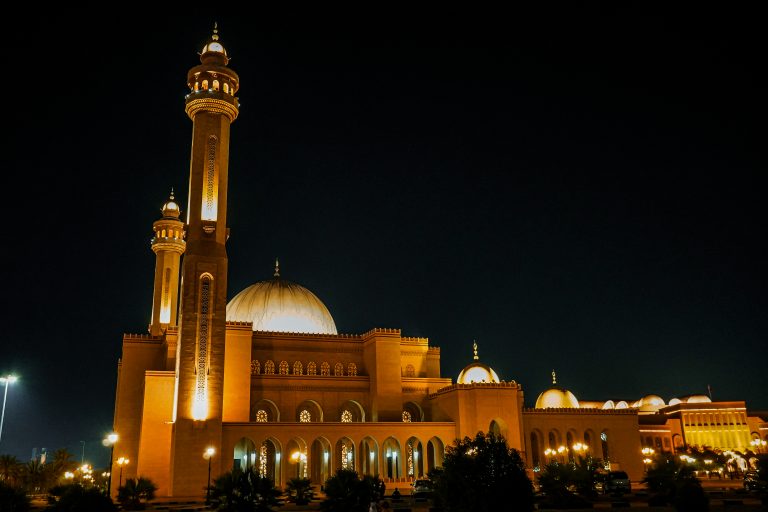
(171, 194)
(474, 347)
(215, 35)
(554, 377)
(277, 267)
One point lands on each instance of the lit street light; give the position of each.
(208, 454)
(647, 453)
(122, 461)
(110, 441)
(8, 379)
(759, 444)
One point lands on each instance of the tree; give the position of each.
(35, 477)
(62, 462)
(10, 470)
(345, 491)
(13, 499)
(244, 491)
(299, 490)
(76, 498)
(136, 492)
(675, 482)
(483, 475)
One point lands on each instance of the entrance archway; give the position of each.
(320, 460)
(245, 454)
(344, 454)
(369, 456)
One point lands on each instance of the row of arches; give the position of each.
(554, 446)
(297, 368)
(171, 233)
(319, 459)
(214, 85)
(265, 410)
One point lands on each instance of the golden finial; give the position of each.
(215, 35)
(474, 347)
(277, 268)
(171, 193)
(554, 377)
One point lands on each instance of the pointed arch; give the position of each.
(263, 407)
(244, 454)
(344, 454)
(352, 370)
(296, 451)
(355, 410)
(392, 457)
(309, 411)
(319, 460)
(269, 367)
(414, 410)
(414, 458)
(435, 453)
(298, 368)
(255, 367)
(312, 368)
(283, 368)
(338, 370)
(325, 369)
(369, 456)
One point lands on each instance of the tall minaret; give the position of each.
(168, 245)
(212, 106)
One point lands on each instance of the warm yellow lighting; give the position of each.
(647, 461)
(561, 449)
(580, 447)
(210, 451)
(199, 409)
(69, 475)
(648, 451)
(707, 461)
(112, 438)
(122, 461)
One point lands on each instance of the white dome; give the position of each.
(278, 305)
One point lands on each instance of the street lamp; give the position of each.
(759, 444)
(110, 441)
(8, 379)
(647, 453)
(208, 454)
(122, 461)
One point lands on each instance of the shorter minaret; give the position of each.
(168, 245)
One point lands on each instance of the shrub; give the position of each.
(13, 499)
(76, 498)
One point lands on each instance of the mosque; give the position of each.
(265, 379)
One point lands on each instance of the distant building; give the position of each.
(267, 381)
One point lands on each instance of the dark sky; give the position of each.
(576, 188)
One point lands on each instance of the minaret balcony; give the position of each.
(210, 100)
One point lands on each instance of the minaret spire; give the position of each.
(277, 267)
(554, 377)
(215, 35)
(474, 347)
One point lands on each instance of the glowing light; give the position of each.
(69, 475)
(112, 438)
(210, 451)
(199, 409)
(263, 461)
(647, 451)
(647, 461)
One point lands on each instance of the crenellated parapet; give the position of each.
(580, 411)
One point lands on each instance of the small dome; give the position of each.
(556, 397)
(214, 46)
(675, 401)
(649, 403)
(477, 372)
(697, 399)
(171, 207)
(278, 305)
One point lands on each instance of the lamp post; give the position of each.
(110, 441)
(208, 454)
(8, 379)
(759, 445)
(122, 461)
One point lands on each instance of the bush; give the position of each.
(13, 499)
(136, 492)
(347, 492)
(299, 490)
(76, 498)
(244, 491)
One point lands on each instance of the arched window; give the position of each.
(410, 371)
(255, 367)
(406, 417)
(305, 416)
(311, 368)
(269, 368)
(346, 416)
(552, 440)
(215, 85)
(226, 87)
(283, 367)
(197, 86)
(352, 369)
(261, 416)
(604, 446)
(338, 369)
(569, 445)
(535, 449)
(325, 369)
(298, 368)
(205, 85)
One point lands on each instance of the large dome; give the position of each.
(557, 398)
(477, 371)
(278, 305)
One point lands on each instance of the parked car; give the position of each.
(616, 482)
(752, 482)
(422, 486)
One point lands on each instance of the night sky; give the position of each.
(576, 188)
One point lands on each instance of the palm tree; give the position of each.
(136, 492)
(62, 462)
(299, 490)
(10, 469)
(35, 477)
